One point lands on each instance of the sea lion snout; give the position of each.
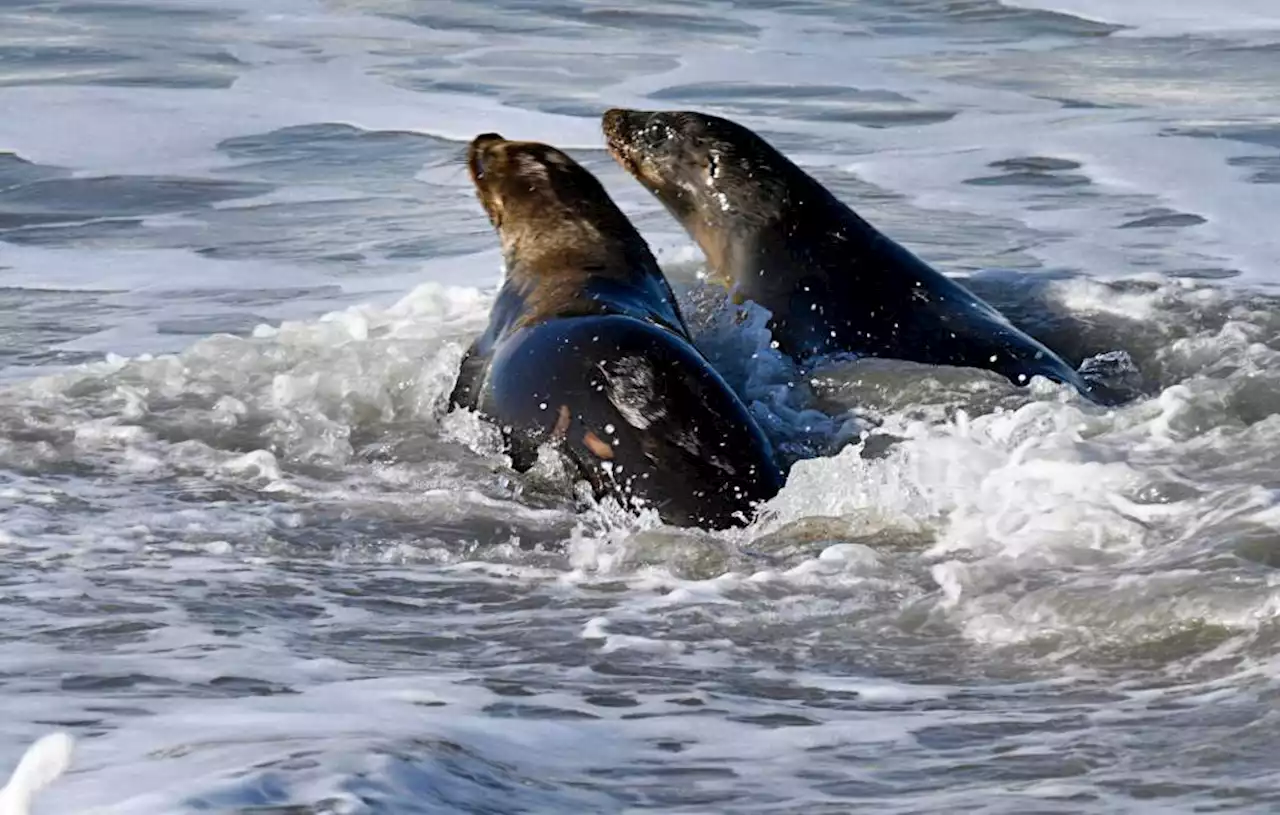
(638, 140)
(619, 122)
(621, 129)
(476, 151)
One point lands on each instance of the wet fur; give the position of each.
(830, 280)
(586, 348)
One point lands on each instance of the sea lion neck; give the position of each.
(741, 251)
(608, 277)
(590, 255)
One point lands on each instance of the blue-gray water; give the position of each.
(253, 566)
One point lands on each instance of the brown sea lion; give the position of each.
(831, 281)
(586, 349)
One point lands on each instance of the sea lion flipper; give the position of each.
(471, 372)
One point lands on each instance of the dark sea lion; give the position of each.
(586, 348)
(830, 280)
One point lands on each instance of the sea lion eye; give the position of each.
(477, 164)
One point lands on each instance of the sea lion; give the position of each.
(586, 348)
(831, 282)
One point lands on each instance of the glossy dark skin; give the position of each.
(586, 349)
(830, 280)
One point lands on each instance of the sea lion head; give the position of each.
(561, 233)
(542, 202)
(715, 176)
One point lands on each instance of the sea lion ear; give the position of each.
(531, 165)
(556, 158)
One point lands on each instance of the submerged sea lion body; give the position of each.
(831, 281)
(586, 349)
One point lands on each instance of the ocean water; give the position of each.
(252, 565)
